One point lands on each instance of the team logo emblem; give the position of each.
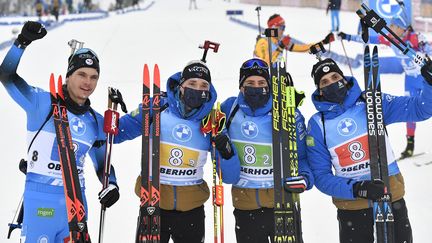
(249, 129)
(78, 126)
(89, 61)
(182, 132)
(347, 127)
(388, 8)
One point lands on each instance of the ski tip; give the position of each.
(60, 86)
(146, 75)
(52, 85)
(367, 48)
(156, 75)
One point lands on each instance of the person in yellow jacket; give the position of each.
(282, 42)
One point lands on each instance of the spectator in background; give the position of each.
(194, 3)
(334, 7)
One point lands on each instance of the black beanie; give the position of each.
(84, 57)
(254, 70)
(324, 67)
(196, 69)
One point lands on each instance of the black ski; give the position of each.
(74, 200)
(383, 216)
(285, 158)
(148, 228)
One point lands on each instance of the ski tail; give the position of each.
(155, 162)
(388, 217)
(148, 226)
(143, 224)
(72, 189)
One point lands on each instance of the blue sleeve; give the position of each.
(373, 39)
(405, 108)
(231, 167)
(97, 154)
(321, 166)
(23, 94)
(303, 163)
(130, 126)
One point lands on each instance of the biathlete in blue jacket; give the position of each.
(250, 129)
(413, 78)
(45, 216)
(183, 152)
(337, 139)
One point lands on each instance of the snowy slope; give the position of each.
(169, 34)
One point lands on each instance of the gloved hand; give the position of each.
(372, 190)
(426, 72)
(329, 38)
(109, 195)
(31, 31)
(223, 146)
(344, 36)
(284, 42)
(296, 184)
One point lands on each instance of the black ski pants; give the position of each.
(254, 226)
(183, 227)
(357, 226)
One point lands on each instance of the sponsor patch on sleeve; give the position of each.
(310, 141)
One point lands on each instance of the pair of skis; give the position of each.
(74, 200)
(382, 208)
(370, 19)
(148, 227)
(287, 210)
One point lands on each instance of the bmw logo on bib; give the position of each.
(78, 126)
(347, 127)
(249, 129)
(182, 132)
(388, 8)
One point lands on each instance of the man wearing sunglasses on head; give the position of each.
(45, 216)
(282, 42)
(249, 125)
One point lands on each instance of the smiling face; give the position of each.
(81, 84)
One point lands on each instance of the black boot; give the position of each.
(409, 150)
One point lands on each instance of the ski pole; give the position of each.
(208, 45)
(217, 125)
(269, 33)
(258, 9)
(111, 119)
(348, 61)
(18, 219)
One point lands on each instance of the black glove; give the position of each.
(30, 31)
(372, 190)
(344, 36)
(116, 97)
(329, 38)
(109, 195)
(223, 146)
(296, 184)
(426, 72)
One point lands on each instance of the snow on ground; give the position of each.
(169, 34)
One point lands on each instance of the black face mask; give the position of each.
(194, 98)
(335, 92)
(256, 97)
